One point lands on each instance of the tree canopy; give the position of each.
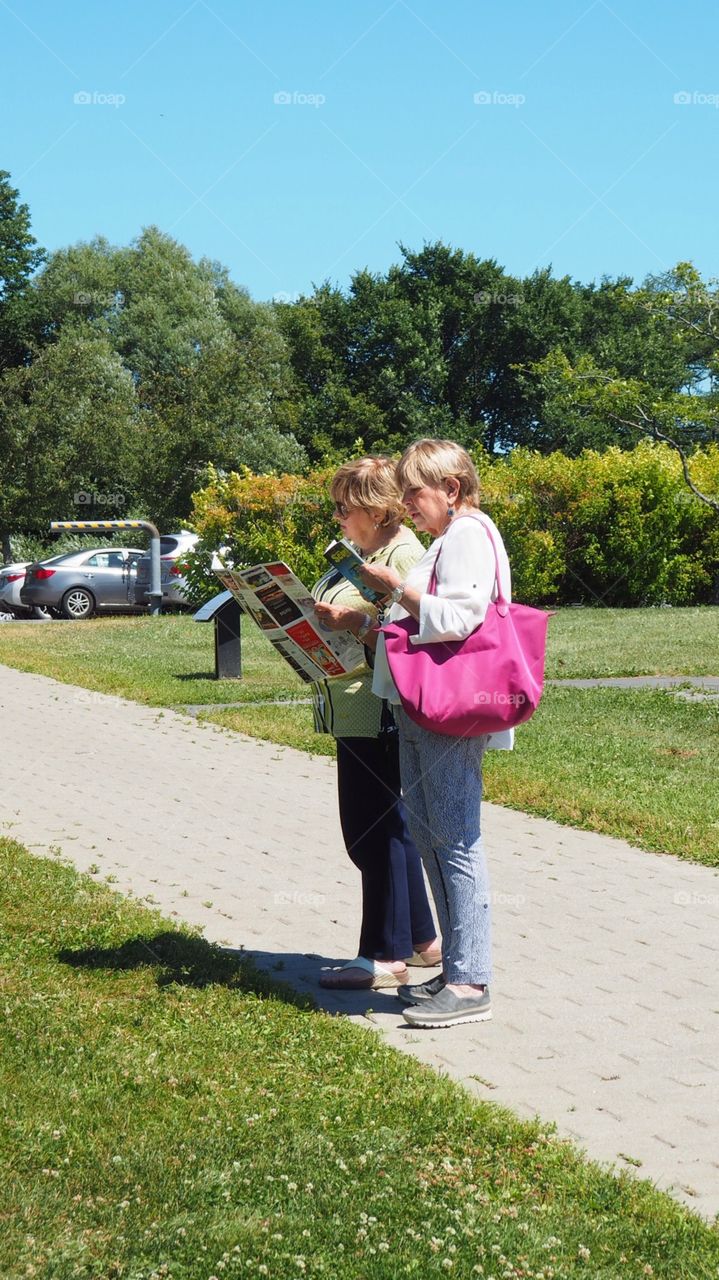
(195, 372)
(131, 369)
(448, 344)
(20, 255)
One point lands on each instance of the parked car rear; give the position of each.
(12, 577)
(173, 548)
(77, 584)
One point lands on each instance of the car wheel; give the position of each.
(77, 603)
(39, 611)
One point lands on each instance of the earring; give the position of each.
(450, 512)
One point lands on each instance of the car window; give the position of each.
(168, 546)
(65, 555)
(100, 560)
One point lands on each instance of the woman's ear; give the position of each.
(453, 489)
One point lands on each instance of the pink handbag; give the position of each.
(488, 682)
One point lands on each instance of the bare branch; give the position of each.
(646, 424)
(650, 425)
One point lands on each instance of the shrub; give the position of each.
(614, 528)
(260, 518)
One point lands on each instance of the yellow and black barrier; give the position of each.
(101, 524)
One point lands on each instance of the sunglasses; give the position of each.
(342, 510)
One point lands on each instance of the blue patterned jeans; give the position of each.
(442, 791)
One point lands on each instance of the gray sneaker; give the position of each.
(446, 1009)
(421, 990)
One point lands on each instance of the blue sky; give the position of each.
(576, 155)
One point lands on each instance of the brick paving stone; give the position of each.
(606, 1020)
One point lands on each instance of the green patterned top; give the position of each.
(345, 706)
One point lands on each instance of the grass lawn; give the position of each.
(641, 765)
(170, 1114)
(633, 642)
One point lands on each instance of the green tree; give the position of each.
(68, 427)
(208, 365)
(20, 255)
(446, 343)
(676, 403)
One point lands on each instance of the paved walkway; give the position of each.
(710, 683)
(606, 1012)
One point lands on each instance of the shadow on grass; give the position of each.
(182, 959)
(188, 961)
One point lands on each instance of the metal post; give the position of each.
(88, 526)
(155, 592)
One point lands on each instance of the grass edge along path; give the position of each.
(171, 1114)
(639, 765)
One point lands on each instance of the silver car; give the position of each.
(173, 548)
(77, 584)
(12, 577)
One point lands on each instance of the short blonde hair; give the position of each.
(371, 484)
(432, 461)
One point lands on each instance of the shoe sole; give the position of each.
(454, 1021)
(372, 984)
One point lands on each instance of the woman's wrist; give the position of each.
(365, 626)
(411, 601)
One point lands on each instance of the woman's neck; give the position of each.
(459, 511)
(382, 538)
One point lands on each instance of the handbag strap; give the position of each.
(501, 601)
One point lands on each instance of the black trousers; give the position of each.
(395, 909)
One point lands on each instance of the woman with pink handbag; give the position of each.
(448, 593)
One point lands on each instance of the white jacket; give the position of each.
(466, 583)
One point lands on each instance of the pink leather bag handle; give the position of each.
(501, 602)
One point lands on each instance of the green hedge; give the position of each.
(616, 528)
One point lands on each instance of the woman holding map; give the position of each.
(397, 926)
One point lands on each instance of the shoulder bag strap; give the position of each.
(501, 600)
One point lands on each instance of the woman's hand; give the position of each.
(380, 577)
(337, 618)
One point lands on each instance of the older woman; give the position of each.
(442, 775)
(397, 923)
